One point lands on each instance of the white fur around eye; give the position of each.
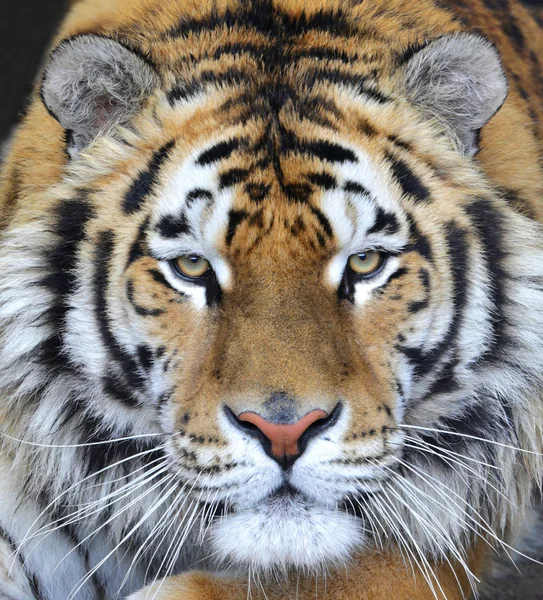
(363, 289)
(196, 292)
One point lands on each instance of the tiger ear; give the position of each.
(93, 83)
(458, 79)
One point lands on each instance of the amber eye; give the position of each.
(192, 266)
(366, 263)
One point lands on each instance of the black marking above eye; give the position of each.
(352, 187)
(138, 249)
(324, 222)
(232, 177)
(323, 180)
(385, 222)
(144, 183)
(198, 194)
(418, 242)
(235, 219)
(218, 152)
(171, 227)
(411, 185)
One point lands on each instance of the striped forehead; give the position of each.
(351, 194)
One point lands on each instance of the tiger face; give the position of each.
(286, 275)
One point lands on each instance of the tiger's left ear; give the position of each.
(459, 80)
(91, 84)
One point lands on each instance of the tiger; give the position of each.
(271, 305)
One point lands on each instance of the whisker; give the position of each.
(174, 537)
(471, 437)
(120, 543)
(397, 534)
(164, 480)
(471, 470)
(417, 548)
(86, 512)
(441, 534)
(449, 451)
(68, 490)
(86, 445)
(160, 501)
(487, 529)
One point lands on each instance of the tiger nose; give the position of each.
(285, 442)
(284, 438)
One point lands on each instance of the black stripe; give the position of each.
(116, 387)
(36, 587)
(456, 240)
(411, 185)
(145, 356)
(352, 187)
(235, 219)
(172, 227)
(403, 57)
(102, 264)
(143, 185)
(138, 249)
(297, 192)
(96, 457)
(233, 177)
(31, 577)
(322, 149)
(218, 152)
(266, 18)
(140, 310)
(324, 222)
(331, 54)
(71, 219)
(358, 83)
(418, 242)
(257, 191)
(198, 194)
(323, 180)
(490, 227)
(366, 127)
(385, 222)
(159, 277)
(237, 49)
(416, 306)
(397, 274)
(232, 76)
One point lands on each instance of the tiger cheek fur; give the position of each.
(271, 298)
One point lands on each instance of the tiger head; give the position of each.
(283, 261)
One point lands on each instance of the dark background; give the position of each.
(26, 28)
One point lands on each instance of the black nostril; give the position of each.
(320, 426)
(245, 425)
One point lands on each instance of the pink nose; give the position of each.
(284, 438)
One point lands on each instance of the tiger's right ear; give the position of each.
(459, 80)
(93, 83)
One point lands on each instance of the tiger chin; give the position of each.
(271, 304)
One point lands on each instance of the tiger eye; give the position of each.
(192, 265)
(365, 263)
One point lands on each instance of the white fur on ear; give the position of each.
(458, 79)
(93, 83)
